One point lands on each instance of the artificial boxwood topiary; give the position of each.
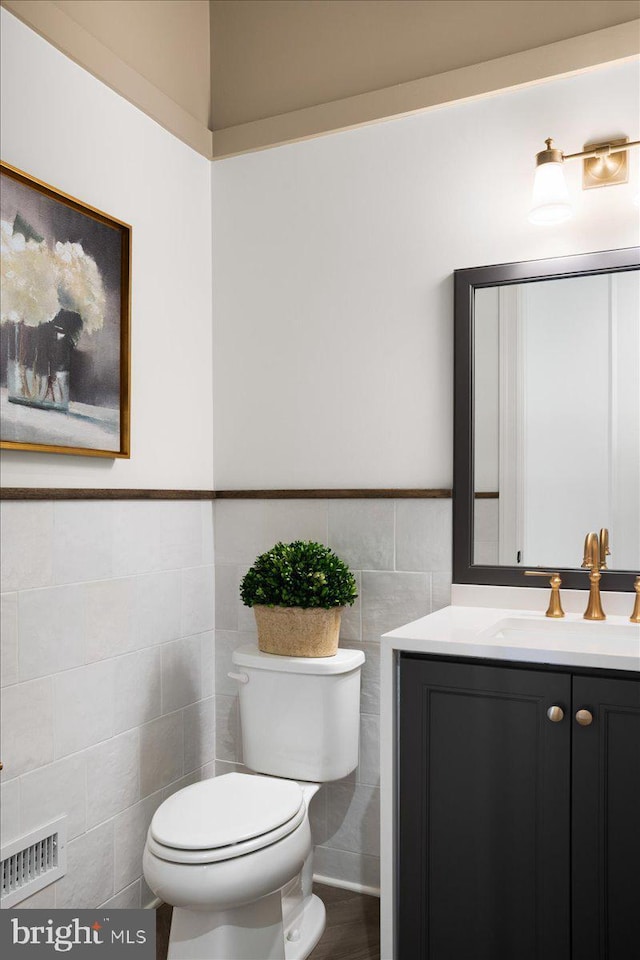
(299, 574)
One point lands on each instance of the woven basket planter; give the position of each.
(298, 632)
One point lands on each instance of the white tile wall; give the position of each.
(247, 528)
(423, 535)
(362, 532)
(127, 899)
(108, 679)
(113, 776)
(130, 832)
(82, 541)
(197, 600)
(161, 752)
(110, 620)
(391, 599)
(228, 740)
(26, 728)
(8, 638)
(89, 879)
(26, 533)
(400, 554)
(199, 734)
(51, 631)
(158, 598)
(137, 679)
(353, 818)
(181, 673)
(84, 706)
(56, 788)
(115, 694)
(10, 810)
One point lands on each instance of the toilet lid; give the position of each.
(225, 810)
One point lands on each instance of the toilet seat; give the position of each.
(225, 817)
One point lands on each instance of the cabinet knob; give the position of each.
(555, 714)
(584, 717)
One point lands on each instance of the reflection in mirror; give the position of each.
(556, 374)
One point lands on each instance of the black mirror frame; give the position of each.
(465, 283)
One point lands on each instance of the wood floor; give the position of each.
(353, 926)
(352, 932)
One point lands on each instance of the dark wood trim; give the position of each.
(367, 494)
(45, 493)
(487, 495)
(465, 284)
(71, 493)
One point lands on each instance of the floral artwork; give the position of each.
(64, 323)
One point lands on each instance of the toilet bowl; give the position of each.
(221, 851)
(233, 854)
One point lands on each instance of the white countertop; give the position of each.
(611, 644)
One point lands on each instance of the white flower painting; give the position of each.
(64, 322)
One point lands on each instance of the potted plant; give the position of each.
(297, 591)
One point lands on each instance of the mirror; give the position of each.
(547, 417)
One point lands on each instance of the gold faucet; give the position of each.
(635, 616)
(555, 606)
(595, 560)
(604, 548)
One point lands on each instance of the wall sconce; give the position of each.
(603, 165)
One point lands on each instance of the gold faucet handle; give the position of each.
(635, 616)
(555, 606)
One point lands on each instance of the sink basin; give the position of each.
(599, 630)
(618, 639)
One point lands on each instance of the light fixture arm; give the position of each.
(603, 150)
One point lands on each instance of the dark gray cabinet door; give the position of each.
(606, 820)
(484, 807)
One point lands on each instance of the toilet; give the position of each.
(233, 854)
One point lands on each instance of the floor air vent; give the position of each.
(33, 862)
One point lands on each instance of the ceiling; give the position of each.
(234, 75)
(269, 57)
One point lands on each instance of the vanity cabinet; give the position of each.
(518, 828)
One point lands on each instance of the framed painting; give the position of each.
(65, 322)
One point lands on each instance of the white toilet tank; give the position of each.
(300, 717)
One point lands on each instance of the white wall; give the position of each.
(332, 276)
(64, 127)
(107, 680)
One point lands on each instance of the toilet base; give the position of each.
(314, 918)
(252, 932)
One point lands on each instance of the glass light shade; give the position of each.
(550, 202)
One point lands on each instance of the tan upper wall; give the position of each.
(167, 41)
(155, 53)
(272, 71)
(270, 57)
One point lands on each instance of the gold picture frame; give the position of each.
(65, 363)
